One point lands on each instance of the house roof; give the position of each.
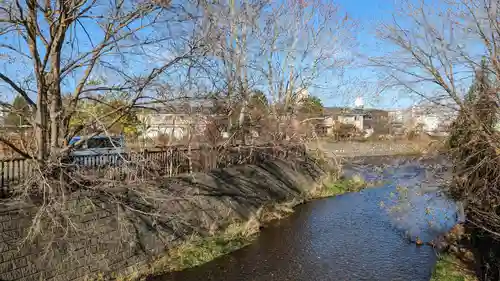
(344, 111)
(356, 112)
(183, 109)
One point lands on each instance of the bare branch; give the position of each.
(18, 90)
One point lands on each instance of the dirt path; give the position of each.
(354, 149)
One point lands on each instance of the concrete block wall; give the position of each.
(105, 238)
(97, 247)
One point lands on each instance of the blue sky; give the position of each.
(370, 14)
(367, 13)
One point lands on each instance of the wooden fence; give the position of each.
(168, 161)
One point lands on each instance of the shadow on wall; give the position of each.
(110, 228)
(247, 188)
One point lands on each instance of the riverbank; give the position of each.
(199, 250)
(376, 148)
(124, 230)
(455, 261)
(450, 268)
(219, 212)
(326, 239)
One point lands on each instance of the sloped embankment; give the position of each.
(115, 230)
(237, 193)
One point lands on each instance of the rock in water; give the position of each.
(419, 242)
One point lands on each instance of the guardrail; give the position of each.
(167, 161)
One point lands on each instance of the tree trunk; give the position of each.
(243, 76)
(41, 124)
(55, 115)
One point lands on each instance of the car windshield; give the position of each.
(104, 142)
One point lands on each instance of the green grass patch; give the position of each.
(337, 187)
(450, 268)
(198, 250)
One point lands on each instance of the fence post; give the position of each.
(190, 163)
(169, 160)
(176, 161)
(145, 162)
(7, 177)
(2, 179)
(19, 174)
(213, 156)
(240, 158)
(204, 152)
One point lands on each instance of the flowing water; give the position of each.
(358, 236)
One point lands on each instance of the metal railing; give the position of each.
(167, 161)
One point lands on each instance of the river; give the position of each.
(357, 236)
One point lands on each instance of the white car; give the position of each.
(99, 151)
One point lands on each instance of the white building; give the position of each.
(433, 118)
(176, 126)
(3, 115)
(301, 95)
(177, 122)
(353, 118)
(430, 117)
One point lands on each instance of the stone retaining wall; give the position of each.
(109, 238)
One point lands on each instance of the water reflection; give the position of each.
(413, 200)
(349, 237)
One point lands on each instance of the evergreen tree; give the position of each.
(19, 114)
(259, 100)
(312, 106)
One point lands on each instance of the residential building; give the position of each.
(368, 120)
(354, 117)
(3, 115)
(360, 118)
(398, 121)
(434, 119)
(396, 116)
(328, 125)
(429, 117)
(176, 122)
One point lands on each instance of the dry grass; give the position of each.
(379, 147)
(198, 250)
(450, 268)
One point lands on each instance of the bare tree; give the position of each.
(438, 50)
(67, 58)
(304, 42)
(447, 53)
(439, 45)
(65, 47)
(282, 48)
